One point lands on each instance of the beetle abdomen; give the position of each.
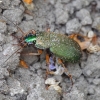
(67, 49)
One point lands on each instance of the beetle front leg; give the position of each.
(47, 63)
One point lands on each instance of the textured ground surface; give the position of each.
(61, 16)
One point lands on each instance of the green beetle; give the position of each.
(60, 45)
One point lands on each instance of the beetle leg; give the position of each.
(35, 54)
(66, 71)
(23, 64)
(28, 12)
(47, 62)
(60, 62)
(29, 5)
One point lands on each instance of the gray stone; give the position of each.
(44, 65)
(74, 70)
(81, 84)
(1, 48)
(98, 4)
(92, 68)
(78, 4)
(9, 56)
(58, 5)
(97, 90)
(94, 97)
(52, 2)
(3, 87)
(43, 95)
(5, 3)
(73, 26)
(40, 72)
(96, 81)
(64, 86)
(21, 96)
(10, 98)
(58, 78)
(3, 73)
(28, 17)
(14, 14)
(75, 94)
(85, 29)
(84, 16)
(25, 77)
(37, 65)
(3, 27)
(51, 18)
(88, 72)
(15, 2)
(0, 10)
(96, 23)
(69, 8)
(90, 80)
(61, 16)
(26, 26)
(3, 39)
(91, 90)
(65, 1)
(15, 87)
(2, 97)
(39, 92)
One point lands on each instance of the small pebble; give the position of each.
(3, 27)
(84, 16)
(96, 81)
(73, 26)
(91, 91)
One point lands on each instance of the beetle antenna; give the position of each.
(19, 30)
(11, 56)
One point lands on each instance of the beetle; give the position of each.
(60, 45)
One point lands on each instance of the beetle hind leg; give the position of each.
(65, 70)
(35, 54)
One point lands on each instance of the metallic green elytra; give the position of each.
(60, 45)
